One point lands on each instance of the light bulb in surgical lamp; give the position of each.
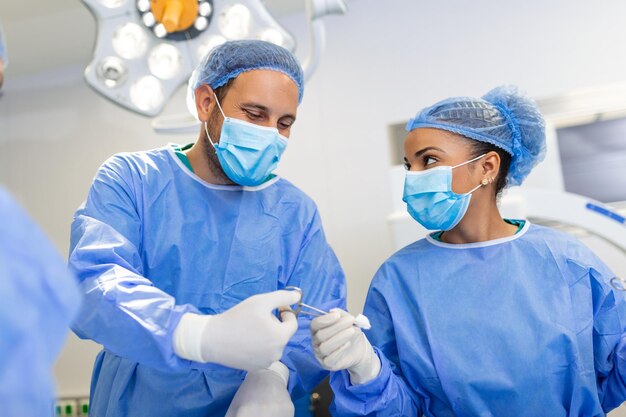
(130, 41)
(205, 8)
(235, 22)
(112, 4)
(201, 23)
(143, 5)
(164, 61)
(272, 35)
(148, 19)
(160, 31)
(111, 71)
(146, 93)
(206, 47)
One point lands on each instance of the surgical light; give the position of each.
(146, 49)
(164, 61)
(130, 41)
(235, 22)
(147, 94)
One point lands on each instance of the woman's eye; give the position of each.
(407, 166)
(429, 160)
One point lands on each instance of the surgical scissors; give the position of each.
(361, 321)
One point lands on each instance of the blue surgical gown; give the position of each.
(521, 326)
(152, 242)
(38, 299)
(3, 50)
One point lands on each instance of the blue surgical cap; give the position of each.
(232, 58)
(503, 117)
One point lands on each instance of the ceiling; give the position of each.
(44, 35)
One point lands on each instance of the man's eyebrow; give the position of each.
(264, 109)
(255, 106)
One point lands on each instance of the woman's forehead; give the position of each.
(426, 136)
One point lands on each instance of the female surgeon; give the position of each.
(486, 316)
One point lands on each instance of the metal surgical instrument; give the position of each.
(361, 321)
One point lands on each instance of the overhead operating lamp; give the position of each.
(145, 49)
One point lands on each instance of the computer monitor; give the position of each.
(593, 159)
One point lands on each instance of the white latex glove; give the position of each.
(338, 344)
(247, 336)
(263, 394)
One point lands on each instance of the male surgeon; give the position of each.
(184, 254)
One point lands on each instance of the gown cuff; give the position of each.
(188, 337)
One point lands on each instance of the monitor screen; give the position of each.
(593, 157)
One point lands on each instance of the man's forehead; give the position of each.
(265, 88)
(264, 80)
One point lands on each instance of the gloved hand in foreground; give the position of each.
(248, 336)
(263, 394)
(338, 344)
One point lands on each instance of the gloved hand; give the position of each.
(338, 344)
(263, 394)
(247, 336)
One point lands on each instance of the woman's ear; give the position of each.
(205, 97)
(491, 166)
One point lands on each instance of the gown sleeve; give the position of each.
(388, 394)
(38, 300)
(609, 328)
(122, 309)
(318, 273)
(3, 50)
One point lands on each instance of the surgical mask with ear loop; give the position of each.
(430, 200)
(247, 152)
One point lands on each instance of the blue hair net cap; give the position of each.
(232, 58)
(504, 117)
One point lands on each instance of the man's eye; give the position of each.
(254, 116)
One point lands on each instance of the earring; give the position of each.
(485, 181)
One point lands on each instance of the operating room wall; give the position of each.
(383, 61)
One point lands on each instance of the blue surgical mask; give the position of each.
(430, 200)
(247, 152)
